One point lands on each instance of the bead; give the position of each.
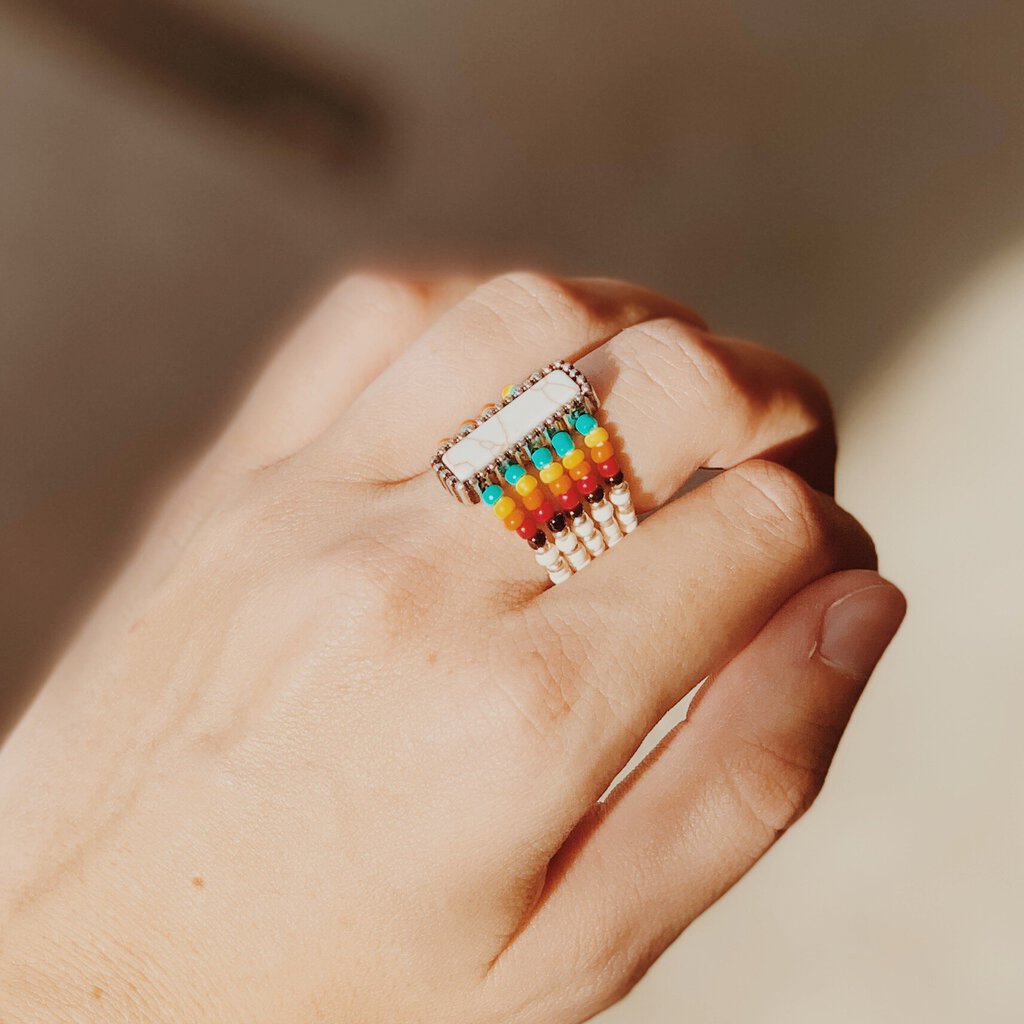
(538, 540)
(541, 457)
(608, 469)
(580, 470)
(569, 500)
(602, 453)
(533, 499)
(504, 507)
(514, 519)
(514, 473)
(614, 481)
(551, 473)
(585, 424)
(588, 484)
(577, 512)
(556, 523)
(507, 390)
(543, 512)
(527, 528)
(492, 494)
(525, 484)
(563, 443)
(596, 495)
(560, 485)
(574, 458)
(466, 427)
(597, 436)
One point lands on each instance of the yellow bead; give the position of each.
(533, 500)
(526, 485)
(596, 437)
(551, 473)
(574, 458)
(504, 506)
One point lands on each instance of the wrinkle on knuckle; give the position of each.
(526, 296)
(671, 355)
(770, 787)
(785, 507)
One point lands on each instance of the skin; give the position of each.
(332, 749)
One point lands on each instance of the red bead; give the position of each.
(526, 529)
(609, 468)
(544, 512)
(588, 484)
(570, 499)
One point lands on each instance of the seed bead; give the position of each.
(525, 484)
(533, 499)
(504, 507)
(492, 495)
(551, 473)
(563, 443)
(580, 470)
(541, 458)
(514, 473)
(574, 458)
(560, 485)
(514, 519)
(609, 468)
(585, 424)
(602, 452)
(597, 436)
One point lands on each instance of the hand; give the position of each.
(333, 749)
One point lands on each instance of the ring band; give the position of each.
(522, 457)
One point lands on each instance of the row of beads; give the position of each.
(595, 437)
(529, 524)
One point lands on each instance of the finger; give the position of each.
(711, 799)
(358, 329)
(651, 618)
(677, 399)
(350, 337)
(500, 334)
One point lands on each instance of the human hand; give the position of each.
(332, 749)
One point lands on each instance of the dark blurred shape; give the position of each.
(264, 86)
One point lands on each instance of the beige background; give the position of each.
(843, 181)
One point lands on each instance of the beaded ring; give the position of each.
(520, 456)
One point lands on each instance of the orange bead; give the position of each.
(533, 499)
(580, 470)
(602, 453)
(514, 519)
(560, 486)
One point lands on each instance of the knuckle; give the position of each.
(528, 294)
(370, 290)
(770, 788)
(674, 355)
(783, 504)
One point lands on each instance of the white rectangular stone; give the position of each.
(523, 415)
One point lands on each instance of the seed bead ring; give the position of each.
(522, 456)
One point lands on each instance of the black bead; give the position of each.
(614, 481)
(556, 524)
(596, 495)
(575, 513)
(538, 540)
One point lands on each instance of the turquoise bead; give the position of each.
(492, 494)
(541, 458)
(514, 474)
(562, 443)
(586, 423)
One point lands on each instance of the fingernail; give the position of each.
(858, 627)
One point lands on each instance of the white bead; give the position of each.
(548, 556)
(578, 558)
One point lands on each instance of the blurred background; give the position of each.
(843, 181)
